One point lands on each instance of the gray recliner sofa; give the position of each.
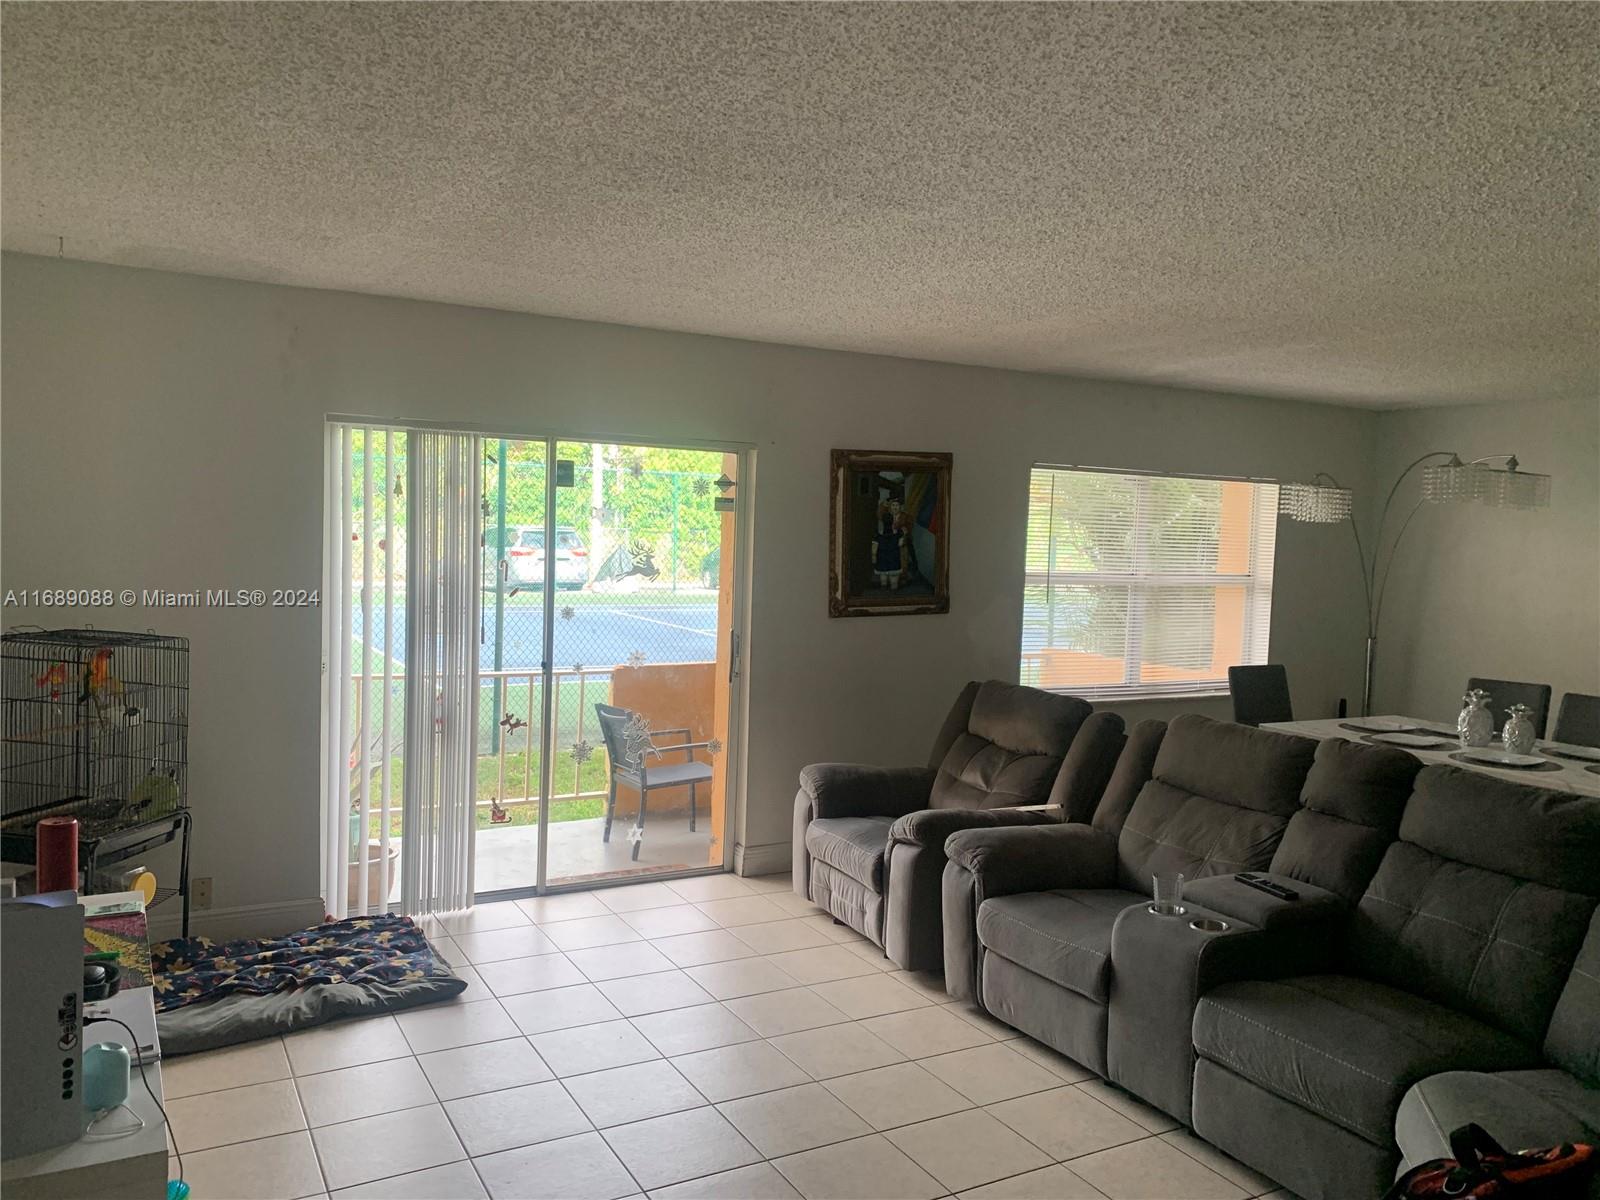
(1350, 812)
(1559, 1102)
(1029, 913)
(1461, 988)
(869, 841)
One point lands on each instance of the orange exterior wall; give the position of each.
(668, 696)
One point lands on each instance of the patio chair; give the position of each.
(630, 744)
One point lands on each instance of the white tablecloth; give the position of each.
(1570, 778)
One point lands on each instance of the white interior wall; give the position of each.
(1492, 592)
(165, 431)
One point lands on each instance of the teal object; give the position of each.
(106, 1070)
(177, 1189)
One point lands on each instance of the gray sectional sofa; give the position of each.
(869, 841)
(1522, 1107)
(1462, 955)
(1030, 915)
(1441, 963)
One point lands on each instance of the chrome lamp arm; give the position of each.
(1376, 567)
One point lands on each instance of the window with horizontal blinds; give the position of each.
(1145, 585)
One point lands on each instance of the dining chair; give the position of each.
(1578, 721)
(1503, 693)
(1260, 694)
(630, 744)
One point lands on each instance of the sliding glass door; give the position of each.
(642, 650)
(605, 672)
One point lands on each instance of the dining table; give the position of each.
(1564, 768)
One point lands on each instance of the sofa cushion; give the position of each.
(1025, 719)
(1088, 766)
(1253, 768)
(1520, 1109)
(981, 774)
(1493, 945)
(1064, 936)
(1573, 1040)
(1343, 1047)
(852, 845)
(1531, 833)
(1011, 749)
(1218, 803)
(1135, 766)
(1350, 810)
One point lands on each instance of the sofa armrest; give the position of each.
(1162, 965)
(1035, 858)
(913, 917)
(931, 827)
(984, 863)
(854, 790)
(1224, 894)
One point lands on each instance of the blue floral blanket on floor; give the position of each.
(388, 950)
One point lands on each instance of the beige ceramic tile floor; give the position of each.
(712, 1037)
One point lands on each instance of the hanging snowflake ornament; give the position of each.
(636, 659)
(635, 834)
(601, 513)
(636, 736)
(714, 746)
(577, 668)
(582, 752)
(567, 612)
(701, 488)
(636, 468)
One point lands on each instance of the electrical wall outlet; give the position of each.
(200, 892)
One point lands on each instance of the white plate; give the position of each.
(1416, 741)
(1504, 758)
(1567, 750)
(1384, 724)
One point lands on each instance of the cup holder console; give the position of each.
(1209, 925)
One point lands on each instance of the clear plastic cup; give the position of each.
(1167, 895)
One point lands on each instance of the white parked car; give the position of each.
(525, 552)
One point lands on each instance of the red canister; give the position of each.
(56, 854)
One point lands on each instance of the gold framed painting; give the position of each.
(888, 533)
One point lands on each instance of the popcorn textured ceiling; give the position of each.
(1362, 204)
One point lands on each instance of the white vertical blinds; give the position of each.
(1145, 585)
(444, 536)
(338, 691)
(400, 584)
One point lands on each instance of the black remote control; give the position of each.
(1261, 884)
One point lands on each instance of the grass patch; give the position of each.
(521, 780)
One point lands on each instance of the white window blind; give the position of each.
(1145, 585)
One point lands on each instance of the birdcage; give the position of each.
(96, 727)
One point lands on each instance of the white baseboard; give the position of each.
(250, 920)
(769, 859)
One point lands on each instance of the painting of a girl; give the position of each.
(890, 523)
(891, 544)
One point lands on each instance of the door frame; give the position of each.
(738, 693)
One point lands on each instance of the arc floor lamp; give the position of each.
(1325, 501)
